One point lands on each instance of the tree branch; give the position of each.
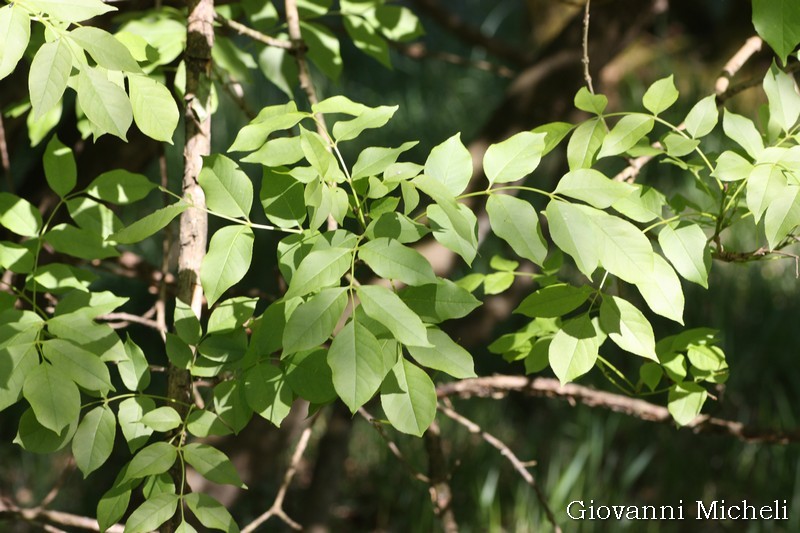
(256, 35)
(501, 386)
(42, 516)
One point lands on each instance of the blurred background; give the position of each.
(487, 69)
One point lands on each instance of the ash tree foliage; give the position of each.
(362, 310)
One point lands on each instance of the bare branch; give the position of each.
(256, 35)
(421, 52)
(506, 452)
(124, 319)
(585, 59)
(276, 509)
(501, 386)
(46, 517)
(735, 63)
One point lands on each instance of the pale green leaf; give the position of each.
(678, 145)
(104, 48)
(130, 415)
(78, 242)
(456, 227)
(625, 134)
(227, 261)
(386, 307)
(78, 364)
(450, 163)
(267, 392)
(765, 184)
(71, 10)
(784, 101)
(269, 120)
(19, 216)
(153, 459)
(277, 152)
(48, 76)
(15, 27)
(687, 249)
(396, 226)
(593, 187)
(317, 152)
(514, 158)
(54, 397)
(554, 300)
(312, 322)
(152, 513)
(445, 355)
(573, 230)
(778, 23)
(154, 109)
(392, 260)
(366, 39)
(702, 117)
(497, 282)
(662, 291)
(589, 102)
(627, 327)
(105, 103)
(94, 439)
(584, 143)
(323, 48)
(346, 130)
(162, 419)
(282, 199)
(374, 160)
(398, 23)
(319, 269)
(554, 134)
(93, 217)
(439, 302)
(573, 351)
(408, 398)
(660, 95)
(685, 402)
(742, 131)
(212, 464)
(732, 167)
(782, 215)
(228, 189)
(135, 369)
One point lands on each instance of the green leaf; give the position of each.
(277, 152)
(267, 392)
(135, 370)
(16, 258)
(660, 95)
(765, 184)
(778, 23)
(59, 278)
(130, 415)
(584, 143)
(625, 134)
(685, 402)
(702, 117)
(104, 48)
(310, 376)
(662, 291)
(152, 513)
(650, 374)
(162, 419)
(15, 26)
(228, 260)
(438, 302)
(573, 230)
(230, 403)
(77, 242)
(591, 103)
(54, 398)
(120, 187)
(742, 131)
(627, 327)
(339, 104)
(537, 358)
(94, 439)
(319, 269)
(230, 315)
(782, 216)
(573, 351)
(114, 502)
(19, 216)
(78, 364)
(323, 49)
(374, 160)
(784, 101)
(312, 323)
(36, 438)
(105, 103)
(408, 398)
(357, 364)
(554, 300)
(678, 145)
(367, 39)
(269, 120)
(386, 307)
(554, 134)
(732, 167)
(593, 187)
(450, 163)
(445, 355)
(686, 247)
(398, 23)
(391, 260)
(455, 227)
(346, 130)
(228, 189)
(210, 512)
(150, 224)
(396, 226)
(93, 216)
(154, 109)
(71, 10)
(282, 199)
(212, 464)
(497, 282)
(318, 153)
(48, 76)
(514, 158)
(18, 353)
(151, 460)
(202, 423)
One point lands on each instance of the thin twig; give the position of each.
(256, 35)
(506, 452)
(500, 386)
(160, 306)
(735, 89)
(419, 476)
(127, 318)
(276, 509)
(9, 510)
(585, 59)
(735, 63)
(6, 161)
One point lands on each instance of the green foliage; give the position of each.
(361, 313)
